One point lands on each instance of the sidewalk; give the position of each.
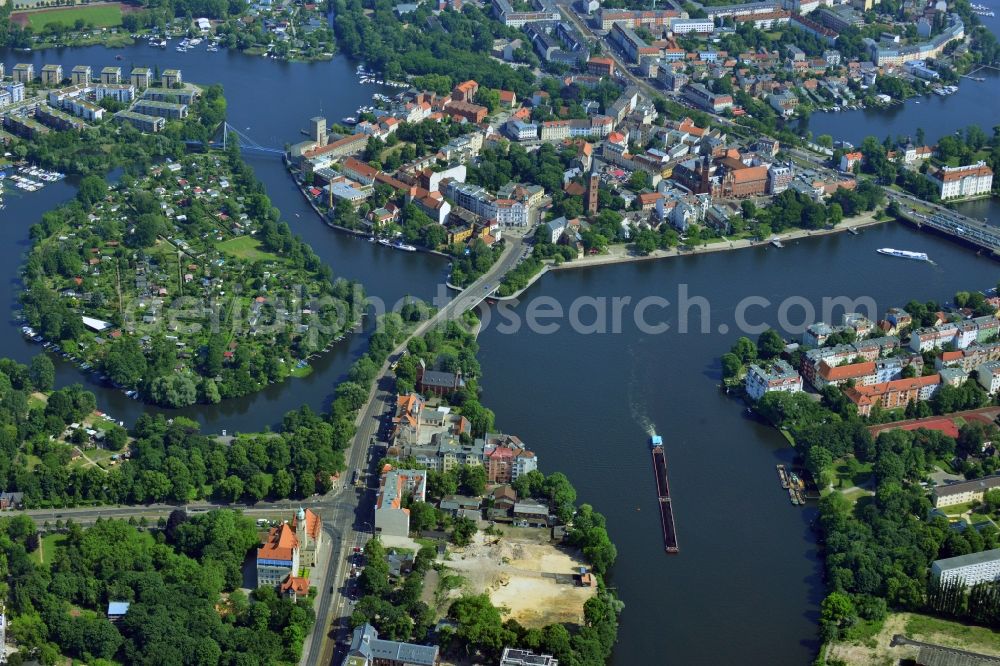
(618, 254)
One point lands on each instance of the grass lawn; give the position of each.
(854, 495)
(100, 16)
(956, 634)
(850, 472)
(300, 372)
(245, 247)
(47, 549)
(959, 509)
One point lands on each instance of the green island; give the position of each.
(897, 445)
(290, 31)
(179, 282)
(119, 592)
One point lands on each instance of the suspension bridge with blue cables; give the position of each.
(228, 133)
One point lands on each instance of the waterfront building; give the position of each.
(81, 75)
(23, 72)
(391, 519)
(172, 78)
(506, 458)
(965, 491)
(52, 75)
(983, 567)
(892, 53)
(367, 649)
(516, 657)
(776, 376)
(141, 77)
(111, 75)
(963, 181)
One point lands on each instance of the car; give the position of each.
(357, 549)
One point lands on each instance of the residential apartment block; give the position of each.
(506, 458)
(965, 491)
(968, 569)
(776, 376)
(391, 518)
(958, 334)
(516, 657)
(367, 649)
(894, 394)
(963, 181)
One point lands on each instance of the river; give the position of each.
(747, 582)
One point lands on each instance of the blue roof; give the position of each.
(118, 608)
(656, 440)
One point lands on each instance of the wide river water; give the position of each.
(747, 582)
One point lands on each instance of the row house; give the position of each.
(988, 375)
(867, 350)
(865, 373)
(970, 358)
(960, 335)
(894, 394)
(391, 518)
(416, 425)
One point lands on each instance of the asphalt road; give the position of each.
(353, 509)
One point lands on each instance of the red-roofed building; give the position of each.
(601, 66)
(295, 587)
(848, 160)
(892, 395)
(860, 373)
(508, 99)
(465, 91)
(278, 558)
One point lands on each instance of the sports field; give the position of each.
(100, 15)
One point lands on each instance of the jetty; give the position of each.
(663, 494)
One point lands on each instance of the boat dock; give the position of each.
(663, 493)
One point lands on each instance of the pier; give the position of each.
(663, 493)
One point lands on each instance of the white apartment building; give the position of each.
(963, 181)
(968, 569)
(390, 517)
(966, 491)
(989, 376)
(778, 376)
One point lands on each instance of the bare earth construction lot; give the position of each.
(526, 574)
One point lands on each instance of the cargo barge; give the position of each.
(663, 494)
